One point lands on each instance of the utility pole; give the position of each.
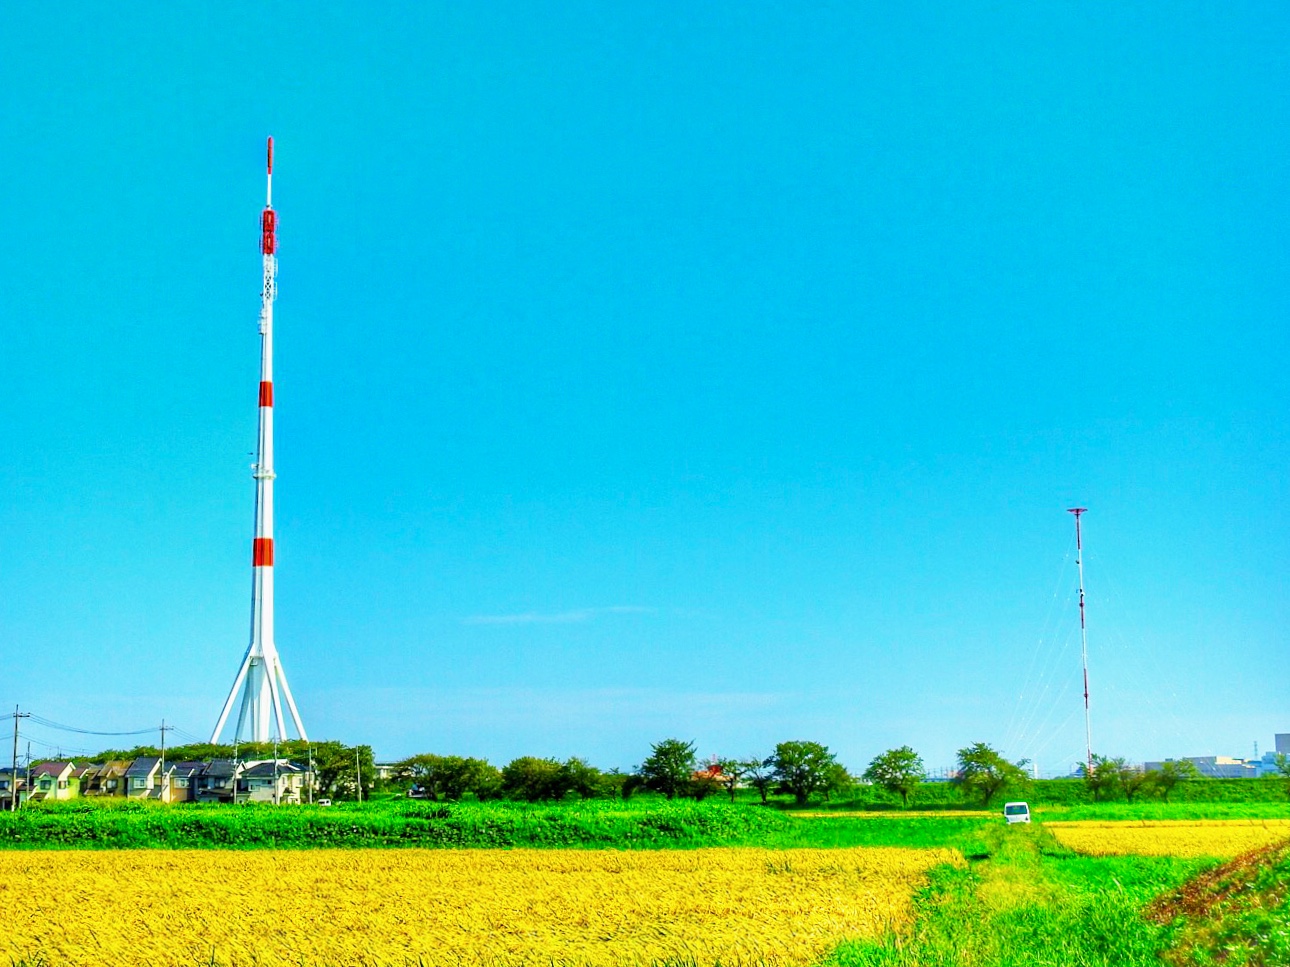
(28, 771)
(13, 775)
(275, 772)
(358, 774)
(164, 783)
(311, 773)
(1083, 638)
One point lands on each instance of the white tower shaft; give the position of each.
(261, 680)
(1083, 638)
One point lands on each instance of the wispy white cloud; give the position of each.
(578, 616)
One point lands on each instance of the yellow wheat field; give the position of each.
(460, 907)
(1180, 837)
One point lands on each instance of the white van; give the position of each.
(1016, 812)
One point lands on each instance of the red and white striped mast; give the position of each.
(1083, 637)
(261, 680)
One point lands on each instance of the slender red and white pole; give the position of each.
(261, 680)
(1083, 636)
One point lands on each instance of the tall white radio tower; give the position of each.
(261, 680)
(1083, 637)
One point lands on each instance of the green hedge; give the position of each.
(1061, 792)
(87, 824)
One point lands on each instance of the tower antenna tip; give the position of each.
(270, 155)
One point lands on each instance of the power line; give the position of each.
(49, 724)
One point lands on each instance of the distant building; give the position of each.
(7, 783)
(54, 780)
(181, 781)
(1266, 766)
(270, 781)
(107, 779)
(1283, 742)
(1224, 767)
(215, 783)
(143, 778)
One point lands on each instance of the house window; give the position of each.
(140, 783)
(62, 783)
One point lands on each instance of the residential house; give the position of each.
(216, 781)
(182, 779)
(85, 777)
(275, 781)
(54, 780)
(7, 784)
(143, 778)
(107, 779)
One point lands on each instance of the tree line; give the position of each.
(801, 769)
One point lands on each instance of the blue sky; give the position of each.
(650, 370)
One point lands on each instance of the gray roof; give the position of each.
(264, 770)
(219, 769)
(141, 767)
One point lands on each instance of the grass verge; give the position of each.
(1236, 914)
(1031, 902)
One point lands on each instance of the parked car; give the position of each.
(1016, 812)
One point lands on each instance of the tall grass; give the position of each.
(652, 824)
(594, 825)
(1031, 902)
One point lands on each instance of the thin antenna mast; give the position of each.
(1083, 637)
(261, 679)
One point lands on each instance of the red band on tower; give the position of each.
(268, 232)
(266, 394)
(262, 552)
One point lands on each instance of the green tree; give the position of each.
(802, 768)
(613, 784)
(985, 773)
(1170, 773)
(669, 767)
(458, 776)
(533, 779)
(760, 776)
(1133, 780)
(338, 767)
(1283, 768)
(897, 770)
(734, 771)
(837, 782)
(632, 784)
(702, 785)
(1104, 778)
(578, 776)
(486, 781)
(419, 772)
